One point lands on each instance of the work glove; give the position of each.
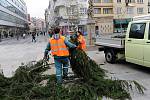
(46, 57)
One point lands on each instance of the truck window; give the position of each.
(149, 32)
(137, 30)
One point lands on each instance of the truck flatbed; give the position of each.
(110, 42)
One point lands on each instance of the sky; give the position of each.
(36, 8)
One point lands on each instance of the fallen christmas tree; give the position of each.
(91, 74)
(91, 83)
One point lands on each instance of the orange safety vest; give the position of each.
(82, 44)
(58, 47)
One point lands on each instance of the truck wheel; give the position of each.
(110, 56)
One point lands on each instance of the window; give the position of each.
(130, 1)
(118, 1)
(10, 18)
(148, 9)
(129, 10)
(71, 10)
(83, 10)
(118, 10)
(107, 1)
(12, 8)
(97, 10)
(137, 31)
(97, 1)
(83, 0)
(149, 33)
(140, 1)
(140, 10)
(107, 11)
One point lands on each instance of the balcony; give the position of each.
(103, 4)
(59, 3)
(66, 3)
(103, 15)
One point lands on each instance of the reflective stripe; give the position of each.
(65, 67)
(60, 44)
(58, 75)
(59, 49)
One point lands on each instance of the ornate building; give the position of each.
(67, 14)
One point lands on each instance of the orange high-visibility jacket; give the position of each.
(82, 41)
(58, 47)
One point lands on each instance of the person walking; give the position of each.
(24, 35)
(58, 46)
(50, 33)
(33, 37)
(0, 37)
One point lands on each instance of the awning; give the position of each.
(122, 21)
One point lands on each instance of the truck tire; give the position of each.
(110, 56)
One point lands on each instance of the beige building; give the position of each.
(125, 10)
(38, 24)
(114, 15)
(103, 15)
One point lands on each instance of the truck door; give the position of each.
(147, 49)
(134, 43)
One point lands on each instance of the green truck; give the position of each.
(133, 47)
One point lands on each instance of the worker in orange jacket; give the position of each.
(58, 46)
(81, 40)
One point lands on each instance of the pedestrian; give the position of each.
(58, 46)
(44, 33)
(33, 37)
(37, 33)
(97, 32)
(17, 35)
(0, 37)
(50, 33)
(24, 35)
(81, 40)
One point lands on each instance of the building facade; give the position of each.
(114, 15)
(32, 26)
(125, 10)
(149, 6)
(67, 14)
(103, 15)
(13, 18)
(38, 25)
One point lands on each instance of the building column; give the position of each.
(91, 33)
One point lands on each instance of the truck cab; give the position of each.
(134, 47)
(137, 42)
